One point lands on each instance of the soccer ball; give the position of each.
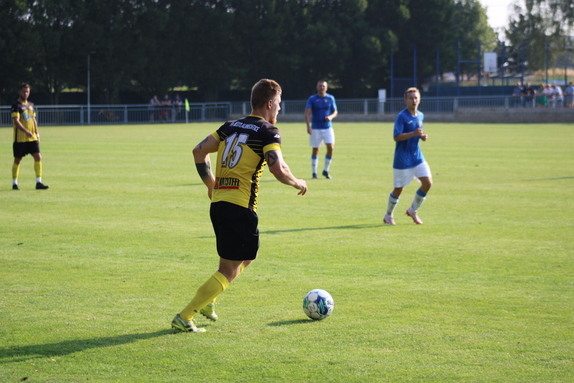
(318, 304)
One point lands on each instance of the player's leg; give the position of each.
(391, 206)
(209, 310)
(237, 237)
(329, 138)
(19, 152)
(314, 161)
(38, 170)
(423, 173)
(214, 286)
(315, 140)
(401, 179)
(328, 159)
(16, 172)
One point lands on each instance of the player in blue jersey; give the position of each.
(409, 161)
(320, 110)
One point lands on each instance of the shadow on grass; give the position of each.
(15, 354)
(343, 227)
(291, 322)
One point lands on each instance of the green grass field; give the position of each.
(93, 270)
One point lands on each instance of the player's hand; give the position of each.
(302, 186)
(309, 130)
(424, 136)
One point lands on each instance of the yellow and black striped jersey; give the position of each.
(27, 116)
(240, 159)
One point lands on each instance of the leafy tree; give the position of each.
(15, 55)
(534, 27)
(470, 26)
(50, 22)
(152, 46)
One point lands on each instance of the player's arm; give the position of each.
(36, 128)
(399, 133)
(21, 127)
(203, 163)
(308, 119)
(332, 116)
(279, 168)
(418, 132)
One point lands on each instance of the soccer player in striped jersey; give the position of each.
(26, 137)
(243, 149)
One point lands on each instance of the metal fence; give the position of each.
(201, 112)
(122, 114)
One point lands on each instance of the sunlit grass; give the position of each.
(93, 269)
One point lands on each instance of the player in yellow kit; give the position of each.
(243, 148)
(26, 137)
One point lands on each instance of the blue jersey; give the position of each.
(321, 107)
(408, 153)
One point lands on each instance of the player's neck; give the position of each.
(261, 113)
(413, 111)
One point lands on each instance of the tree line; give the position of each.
(152, 46)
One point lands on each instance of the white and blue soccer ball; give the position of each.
(318, 304)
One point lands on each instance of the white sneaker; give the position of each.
(389, 220)
(413, 214)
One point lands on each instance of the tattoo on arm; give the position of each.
(271, 158)
(204, 169)
(202, 142)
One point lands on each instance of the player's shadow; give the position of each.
(290, 322)
(342, 227)
(17, 353)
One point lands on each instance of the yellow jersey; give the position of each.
(25, 113)
(240, 159)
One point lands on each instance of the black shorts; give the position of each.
(20, 149)
(236, 231)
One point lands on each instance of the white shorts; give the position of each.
(321, 135)
(403, 177)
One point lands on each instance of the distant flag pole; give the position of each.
(186, 111)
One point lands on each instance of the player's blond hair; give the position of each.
(263, 91)
(412, 90)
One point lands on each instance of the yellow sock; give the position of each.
(15, 171)
(241, 268)
(38, 168)
(205, 294)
